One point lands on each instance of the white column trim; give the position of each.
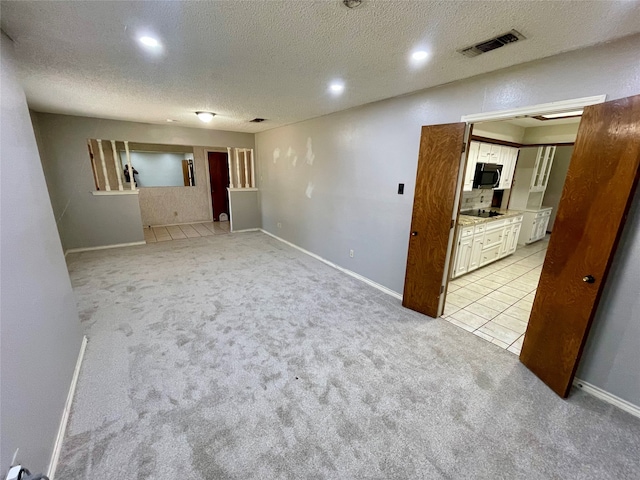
(237, 154)
(107, 187)
(246, 168)
(132, 180)
(253, 171)
(116, 163)
(229, 164)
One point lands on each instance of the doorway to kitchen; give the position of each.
(514, 175)
(600, 183)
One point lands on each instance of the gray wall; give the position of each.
(85, 220)
(360, 155)
(245, 212)
(41, 333)
(557, 176)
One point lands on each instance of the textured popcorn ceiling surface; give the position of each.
(275, 59)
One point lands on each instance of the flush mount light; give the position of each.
(171, 120)
(551, 116)
(206, 117)
(149, 41)
(336, 88)
(419, 55)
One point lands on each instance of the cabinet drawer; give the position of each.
(489, 255)
(479, 228)
(466, 232)
(518, 219)
(493, 237)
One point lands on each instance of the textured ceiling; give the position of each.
(275, 59)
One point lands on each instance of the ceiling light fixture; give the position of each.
(574, 113)
(171, 120)
(352, 3)
(336, 88)
(419, 55)
(149, 42)
(206, 117)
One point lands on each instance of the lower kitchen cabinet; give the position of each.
(534, 225)
(479, 245)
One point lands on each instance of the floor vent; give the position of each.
(492, 44)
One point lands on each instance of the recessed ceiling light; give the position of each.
(206, 117)
(171, 120)
(336, 88)
(149, 41)
(419, 55)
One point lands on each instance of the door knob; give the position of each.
(588, 279)
(414, 234)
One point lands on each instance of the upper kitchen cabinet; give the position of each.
(531, 177)
(508, 159)
(481, 152)
(544, 161)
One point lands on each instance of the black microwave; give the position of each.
(487, 175)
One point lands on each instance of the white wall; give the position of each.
(346, 198)
(500, 131)
(551, 134)
(41, 332)
(85, 220)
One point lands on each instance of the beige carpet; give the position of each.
(235, 356)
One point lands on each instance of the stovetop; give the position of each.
(482, 213)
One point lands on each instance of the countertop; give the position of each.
(466, 220)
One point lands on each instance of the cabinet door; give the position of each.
(476, 252)
(463, 256)
(513, 242)
(510, 156)
(496, 154)
(470, 171)
(484, 153)
(506, 241)
(547, 168)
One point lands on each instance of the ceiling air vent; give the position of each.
(492, 44)
(257, 120)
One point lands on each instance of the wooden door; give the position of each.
(441, 147)
(600, 184)
(219, 177)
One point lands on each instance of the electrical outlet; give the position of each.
(279, 225)
(351, 253)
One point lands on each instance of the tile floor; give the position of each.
(494, 302)
(193, 230)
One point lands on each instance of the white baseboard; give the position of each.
(366, 280)
(209, 220)
(607, 397)
(103, 247)
(53, 464)
(246, 230)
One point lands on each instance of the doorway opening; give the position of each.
(600, 183)
(514, 175)
(219, 181)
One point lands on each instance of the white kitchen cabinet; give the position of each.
(489, 153)
(484, 243)
(476, 252)
(470, 171)
(534, 225)
(509, 157)
(542, 168)
(513, 241)
(463, 253)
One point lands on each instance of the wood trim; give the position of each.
(495, 141)
(506, 143)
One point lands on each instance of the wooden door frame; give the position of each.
(206, 158)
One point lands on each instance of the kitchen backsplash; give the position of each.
(476, 198)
